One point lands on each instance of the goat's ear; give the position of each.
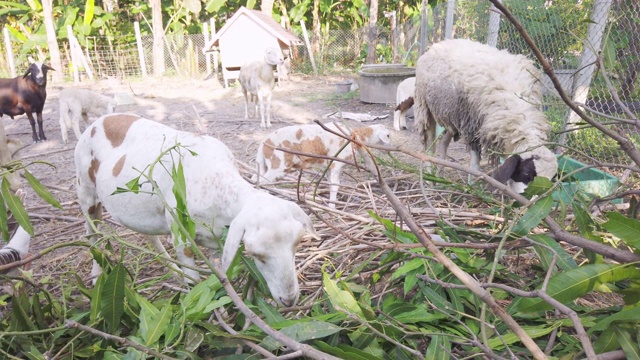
(26, 73)
(506, 170)
(304, 219)
(232, 243)
(47, 67)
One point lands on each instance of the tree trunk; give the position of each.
(52, 41)
(266, 6)
(317, 34)
(373, 32)
(158, 36)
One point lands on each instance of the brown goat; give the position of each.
(26, 94)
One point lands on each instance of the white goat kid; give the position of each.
(257, 81)
(113, 151)
(78, 103)
(404, 102)
(314, 140)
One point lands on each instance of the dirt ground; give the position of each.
(181, 103)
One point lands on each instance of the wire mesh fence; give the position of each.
(561, 29)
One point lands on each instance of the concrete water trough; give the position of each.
(379, 82)
(587, 183)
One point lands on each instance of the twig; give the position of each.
(625, 143)
(307, 350)
(123, 341)
(464, 277)
(262, 351)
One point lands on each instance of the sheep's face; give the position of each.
(519, 170)
(271, 230)
(273, 56)
(273, 252)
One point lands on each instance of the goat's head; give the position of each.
(271, 229)
(374, 134)
(38, 72)
(273, 56)
(519, 170)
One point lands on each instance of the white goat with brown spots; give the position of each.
(312, 139)
(118, 147)
(257, 81)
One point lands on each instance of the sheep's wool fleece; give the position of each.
(487, 96)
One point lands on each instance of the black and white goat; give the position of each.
(26, 94)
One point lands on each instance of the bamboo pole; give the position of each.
(7, 43)
(207, 56)
(143, 65)
(306, 41)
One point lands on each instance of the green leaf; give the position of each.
(271, 314)
(42, 191)
(564, 260)
(15, 206)
(17, 34)
(570, 285)
(538, 211)
(193, 339)
(113, 296)
(147, 312)
(629, 346)
(606, 342)
(89, 10)
(497, 343)
(193, 6)
(213, 6)
(439, 348)
(343, 351)
(340, 299)
(538, 186)
(158, 325)
(632, 314)
(303, 331)
(4, 218)
(625, 228)
(407, 267)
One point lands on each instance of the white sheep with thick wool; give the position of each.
(312, 139)
(76, 104)
(120, 147)
(491, 99)
(257, 81)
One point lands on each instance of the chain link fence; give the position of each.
(561, 29)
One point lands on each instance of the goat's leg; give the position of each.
(32, 121)
(63, 125)
(94, 212)
(261, 102)
(334, 178)
(268, 99)
(75, 123)
(155, 240)
(40, 129)
(185, 256)
(246, 104)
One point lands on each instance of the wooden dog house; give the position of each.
(245, 37)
